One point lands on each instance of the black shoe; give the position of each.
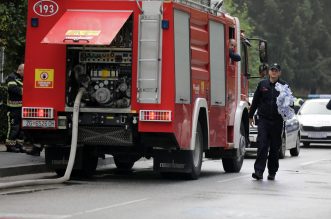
(271, 176)
(14, 149)
(256, 175)
(8, 148)
(34, 152)
(19, 148)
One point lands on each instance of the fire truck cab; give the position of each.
(158, 80)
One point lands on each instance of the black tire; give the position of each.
(60, 172)
(295, 151)
(90, 162)
(195, 158)
(55, 152)
(123, 164)
(282, 150)
(233, 165)
(306, 144)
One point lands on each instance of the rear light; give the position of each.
(155, 115)
(41, 113)
(37, 113)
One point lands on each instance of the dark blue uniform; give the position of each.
(270, 126)
(234, 56)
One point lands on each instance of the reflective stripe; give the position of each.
(11, 83)
(20, 141)
(19, 82)
(12, 103)
(10, 142)
(8, 130)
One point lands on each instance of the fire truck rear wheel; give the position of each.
(233, 165)
(195, 158)
(60, 172)
(90, 161)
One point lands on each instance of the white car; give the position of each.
(290, 138)
(315, 122)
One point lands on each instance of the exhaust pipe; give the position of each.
(72, 155)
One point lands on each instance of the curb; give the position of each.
(23, 169)
(41, 168)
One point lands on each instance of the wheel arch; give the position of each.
(241, 115)
(200, 114)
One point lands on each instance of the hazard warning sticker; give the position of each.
(44, 78)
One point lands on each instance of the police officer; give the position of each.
(14, 141)
(270, 123)
(297, 104)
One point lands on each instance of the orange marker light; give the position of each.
(152, 115)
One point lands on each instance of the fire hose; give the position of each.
(73, 149)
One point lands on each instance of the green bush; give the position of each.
(3, 113)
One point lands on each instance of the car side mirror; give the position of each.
(328, 106)
(263, 51)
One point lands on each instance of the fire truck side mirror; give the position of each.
(263, 51)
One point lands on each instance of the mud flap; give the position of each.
(172, 161)
(57, 157)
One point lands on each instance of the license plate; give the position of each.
(39, 123)
(317, 135)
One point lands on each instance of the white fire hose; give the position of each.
(72, 155)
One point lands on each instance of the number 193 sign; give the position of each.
(45, 8)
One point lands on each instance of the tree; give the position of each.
(239, 9)
(299, 38)
(12, 32)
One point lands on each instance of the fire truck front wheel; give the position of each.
(234, 164)
(183, 163)
(195, 160)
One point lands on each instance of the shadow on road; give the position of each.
(317, 146)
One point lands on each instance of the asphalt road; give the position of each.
(301, 190)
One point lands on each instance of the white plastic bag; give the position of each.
(284, 101)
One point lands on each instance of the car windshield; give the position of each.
(312, 107)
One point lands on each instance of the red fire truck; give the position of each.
(158, 83)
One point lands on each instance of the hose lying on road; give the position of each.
(72, 155)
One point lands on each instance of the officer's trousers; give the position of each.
(270, 141)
